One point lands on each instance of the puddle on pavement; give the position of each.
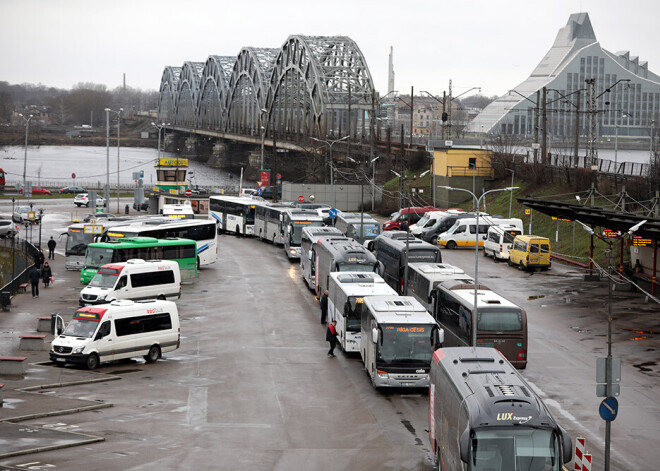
(644, 367)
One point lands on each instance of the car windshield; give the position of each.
(80, 328)
(396, 216)
(103, 280)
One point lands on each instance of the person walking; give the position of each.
(46, 274)
(51, 248)
(324, 307)
(331, 336)
(35, 277)
(40, 258)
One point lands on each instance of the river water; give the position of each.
(52, 166)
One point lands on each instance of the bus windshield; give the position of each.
(76, 242)
(369, 231)
(80, 328)
(499, 321)
(514, 448)
(405, 343)
(103, 280)
(249, 214)
(349, 266)
(97, 256)
(295, 234)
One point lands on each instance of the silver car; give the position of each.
(8, 229)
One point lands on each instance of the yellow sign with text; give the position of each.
(173, 162)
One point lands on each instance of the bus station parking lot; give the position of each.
(252, 388)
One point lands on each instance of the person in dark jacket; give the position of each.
(35, 277)
(331, 336)
(51, 248)
(39, 259)
(46, 274)
(324, 307)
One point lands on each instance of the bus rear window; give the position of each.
(545, 248)
(534, 248)
(500, 321)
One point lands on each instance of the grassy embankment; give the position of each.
(573, 239)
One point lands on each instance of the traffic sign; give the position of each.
(93, 229)
(332, 213)
(73, 175)
(188, 192)
(608, 409)
(278, 176)
(528, 211)
(301, 199)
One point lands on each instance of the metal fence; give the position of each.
(635, 169)
(17, 257)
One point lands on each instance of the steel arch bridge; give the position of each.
(313, 86)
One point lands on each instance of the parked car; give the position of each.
(37, 190)
(82, 199)
(143, 207)
(105, 216)
(20, 215)
(7, 228)
(72, 189)
(267, 192)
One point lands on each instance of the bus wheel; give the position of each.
(198, 263)
(486, 254)
(434, 240)
(238, 231)
(92, 361)
(451, 245)
(161, 297)
(522, 267)
(153, 355)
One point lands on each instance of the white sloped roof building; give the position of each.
(576, 56)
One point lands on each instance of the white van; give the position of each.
(428, 220)
(463, 232)
(121, 329)
(135, 279)
(499, 241)
(178, 211)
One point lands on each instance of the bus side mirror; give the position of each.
(441, 336)
(381, 268)
(309, 255)
(374, 335)
(567, 445)
(465, 445)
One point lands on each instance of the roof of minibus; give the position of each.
(485, 298)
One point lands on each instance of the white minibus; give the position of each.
(121, 329)
(135, 279)
(463, 232)
(499, 241)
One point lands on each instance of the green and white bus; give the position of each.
(182, 251)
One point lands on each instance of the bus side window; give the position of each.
(459, 230)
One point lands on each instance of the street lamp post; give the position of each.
(118, 187)
(263, 136)
(511, 195)
(27, 126)
(476, 251)
(610, 242)
(651, 159)
(106, 191)
(332, 177)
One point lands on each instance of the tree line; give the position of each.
(84, 103)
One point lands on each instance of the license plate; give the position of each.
(60, 360)
(407, 384)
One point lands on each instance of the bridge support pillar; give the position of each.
(254, 159)
(190, 146)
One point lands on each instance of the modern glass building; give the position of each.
(625, 92)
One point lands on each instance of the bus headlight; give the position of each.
(382, 374)
(78, 350)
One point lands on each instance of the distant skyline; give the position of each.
(492, 45)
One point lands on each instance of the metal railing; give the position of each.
(635, 169)
(18, 256)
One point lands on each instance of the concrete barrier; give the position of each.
(43, 324)
(32, 342)
(12, 365)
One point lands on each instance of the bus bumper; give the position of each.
(401, 380)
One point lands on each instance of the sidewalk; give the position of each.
(23, 396)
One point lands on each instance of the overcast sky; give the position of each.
(478, 43)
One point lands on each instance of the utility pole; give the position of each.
(577, 128)
(544, 144)
(592, 153)
(444, 100)
(536, 124)
(412, 112)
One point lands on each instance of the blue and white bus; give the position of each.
(234, 213)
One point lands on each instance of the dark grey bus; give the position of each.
(395, 249)
(484, 416)
(359, 226)
(341, 254)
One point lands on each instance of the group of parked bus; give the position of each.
(424, 338)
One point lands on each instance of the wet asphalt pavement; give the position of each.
(251, 386)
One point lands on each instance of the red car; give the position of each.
(405, 216)
(37, 190)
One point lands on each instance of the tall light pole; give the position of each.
(610, 242)
(650, 147)
(106, 191)
(332, 177)
(27, 126)
(118, 187)
(511, 195)
(263, 136)
(476, 251)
